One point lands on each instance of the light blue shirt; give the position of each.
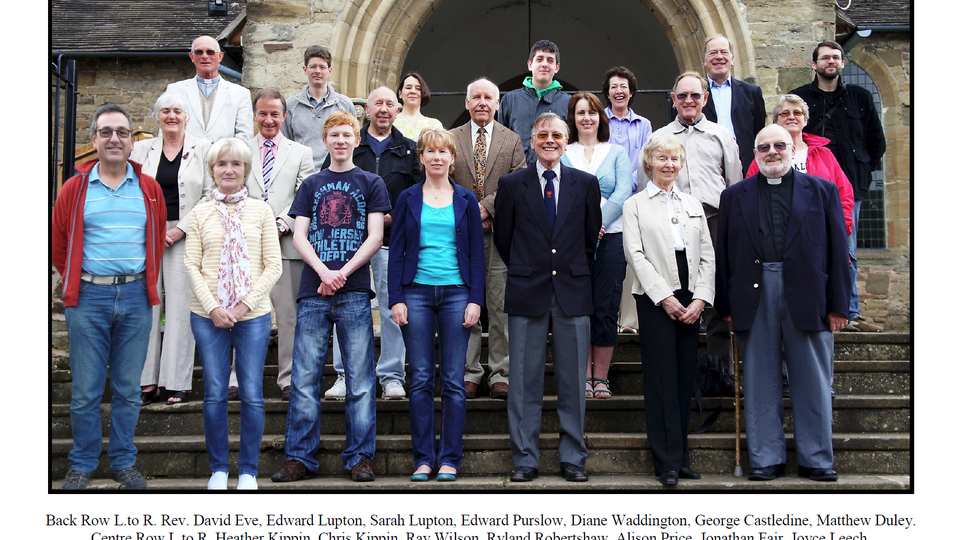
(437, 264)
(723, 102)
(207, 86)
(114, 226)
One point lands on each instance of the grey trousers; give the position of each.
(773, 338)
(284, 298)
(170, 364)
(498, 352)
(528, 349)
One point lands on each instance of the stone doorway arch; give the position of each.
(371, 38)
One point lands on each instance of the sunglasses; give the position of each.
(778, 146)
(557, 136)
(788, 114)
(682, 96)
(208, 52)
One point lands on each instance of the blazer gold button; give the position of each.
(554, 272)
(756, 261)
(756, 285)
(553, 251)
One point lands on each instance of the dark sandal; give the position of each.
(149, 396)
(589, 391)
(182, 396)
(602, 393)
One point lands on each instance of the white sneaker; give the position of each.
(247, 481)
(218, 480)
(393, 389)
(338, 390)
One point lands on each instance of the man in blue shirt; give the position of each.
(109, 225)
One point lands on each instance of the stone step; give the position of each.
(852, 413)
(549, 481)
(486, 455)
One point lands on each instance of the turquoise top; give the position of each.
(437, 264)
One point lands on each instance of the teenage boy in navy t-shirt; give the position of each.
(339, 226)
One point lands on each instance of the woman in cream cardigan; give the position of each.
(667, 243)
(233, 260)
(178, 161)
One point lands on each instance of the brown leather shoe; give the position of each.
(499, 390)
(362, 471)
(291, 471)
(471, 388)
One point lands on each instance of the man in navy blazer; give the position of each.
(783, 285)
(732, 103)
(546, 227)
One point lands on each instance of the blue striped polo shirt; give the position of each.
(114, 226)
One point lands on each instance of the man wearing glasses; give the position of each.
(845, 114)
(713, 163)
(732, 103)
(308, 110)
(108, 234)
(783, 286)
(545, 226)
(216, 108)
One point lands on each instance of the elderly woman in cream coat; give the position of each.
(178, 161)
(667, 244)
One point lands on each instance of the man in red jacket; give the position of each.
(109, 224)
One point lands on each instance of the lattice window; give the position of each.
(872, 229)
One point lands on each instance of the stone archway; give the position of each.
(371, 37)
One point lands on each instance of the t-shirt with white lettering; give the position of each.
(337, 204)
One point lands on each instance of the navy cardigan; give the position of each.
(405, 242)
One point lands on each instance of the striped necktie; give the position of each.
(267, 168)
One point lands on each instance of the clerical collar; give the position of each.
(778, 181)
(208, 81)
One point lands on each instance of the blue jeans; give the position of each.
(350, 312)
(250, 339)
(392, 352)
(439, 310)
(109, 330)
(852, 249)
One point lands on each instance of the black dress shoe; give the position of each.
(669, 478)
(573, 473)
(820, 475)
(687, 472)
(767, 473)
(523, 474)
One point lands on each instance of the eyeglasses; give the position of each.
(835, 58)
(788, 114)
(557, 136)
(107, 133)
(208, 52)
(777, 146)
(682, 96)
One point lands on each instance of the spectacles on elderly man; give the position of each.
(557, 136)
(682, 96)
(779, 146)
(208, 52)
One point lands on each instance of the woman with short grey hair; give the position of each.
(178, 162)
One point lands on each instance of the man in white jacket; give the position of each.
(216, 108)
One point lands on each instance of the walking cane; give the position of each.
(737, 471)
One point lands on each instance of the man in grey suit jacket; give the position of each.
(216, 108)
(279, 167)
(486, 150)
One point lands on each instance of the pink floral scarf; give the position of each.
(233, 278)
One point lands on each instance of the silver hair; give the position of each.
(546, 117)
(234, 146)
(470, 86)
(169, 100)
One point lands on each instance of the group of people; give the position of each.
(546, 208)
